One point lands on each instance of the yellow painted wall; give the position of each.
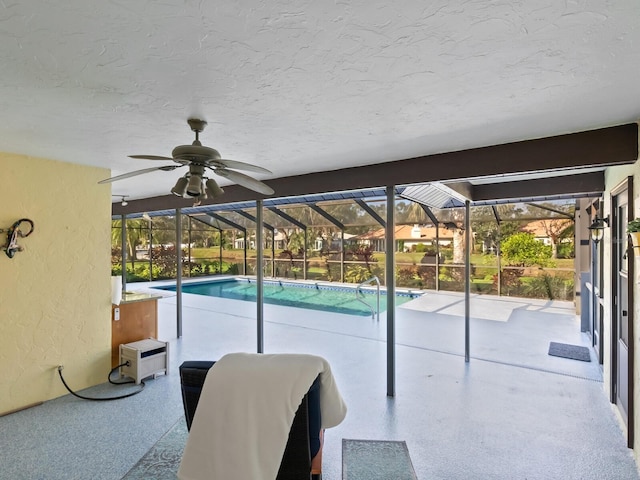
(55, 299)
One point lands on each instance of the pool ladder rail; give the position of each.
(360, 296)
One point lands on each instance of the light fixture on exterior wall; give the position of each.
(597, 228)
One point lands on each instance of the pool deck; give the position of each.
(512, 412)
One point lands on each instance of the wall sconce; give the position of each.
(13, 232)
(597, 228)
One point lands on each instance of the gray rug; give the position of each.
(376, 460)
(575, 352)
(361, 459)
(163, 460)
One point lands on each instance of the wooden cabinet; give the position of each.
(138, 321)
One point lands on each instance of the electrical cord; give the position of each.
(102, 399)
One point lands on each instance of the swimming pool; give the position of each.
(327, 298)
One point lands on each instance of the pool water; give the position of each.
(315, 297)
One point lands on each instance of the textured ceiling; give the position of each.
(304, 86)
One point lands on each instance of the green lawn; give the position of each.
(409, 258)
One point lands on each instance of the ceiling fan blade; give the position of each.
(150, 157)
(240, 166)
(245, 181)
(166, 168)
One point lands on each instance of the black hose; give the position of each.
(103, 399)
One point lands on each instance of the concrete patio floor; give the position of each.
(512, 412)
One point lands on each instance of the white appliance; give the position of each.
(146, 357)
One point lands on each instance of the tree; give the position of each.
(295, 242)
(458, 245)
(555, 230)
(411, 212)
(522, 249)
(136, 232)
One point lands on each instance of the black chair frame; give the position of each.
(296, 460)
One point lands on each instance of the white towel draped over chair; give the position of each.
(244, 415)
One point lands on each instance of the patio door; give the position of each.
(622, 348)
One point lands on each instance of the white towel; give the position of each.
(244, 415)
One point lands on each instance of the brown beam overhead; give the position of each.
(595, 148)
(584, 183)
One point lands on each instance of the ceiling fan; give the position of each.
(199, 158)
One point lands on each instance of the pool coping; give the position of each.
(403, 292)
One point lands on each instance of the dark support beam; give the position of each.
(467, 280)
(150, 250)
(371, 212)
(430, 214)
(208, 221)
(549, 209)
(235, 225)
(204, 219)
(179, 273)
(287, 217)
(584, 183)
(326, 215)
(304, 256)
(390, 282)
(259, 278)
(595, 148)
(465, 189)
(495, 214)
(123, 239)
(253, 219)
(262, 225)
(300, 225)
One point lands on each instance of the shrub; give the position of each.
(522, 249)
(358, 273)
(408, 277)
(566, 250)
(420, 248)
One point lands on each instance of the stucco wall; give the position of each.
(55, 295)
(614, 177)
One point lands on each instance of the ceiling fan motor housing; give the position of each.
(195, 153)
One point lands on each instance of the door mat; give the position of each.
(376, 460)
(575, 352)
(163, 460)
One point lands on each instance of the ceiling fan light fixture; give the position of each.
(198, 158)
(213, 189)
(199, 199)
(194, 185)
(123, 199)
(180, 187)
